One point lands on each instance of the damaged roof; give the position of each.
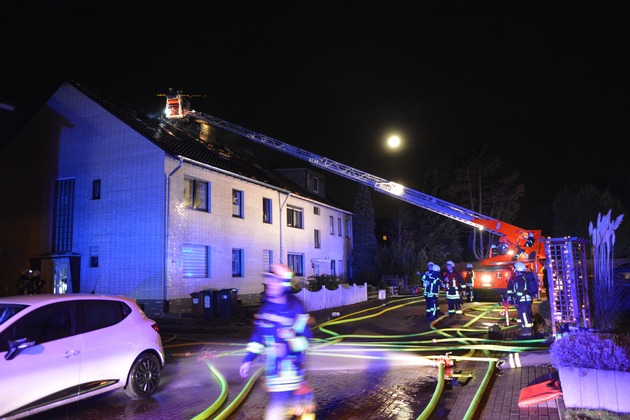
(184, 139)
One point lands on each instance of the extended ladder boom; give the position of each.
(381, 185)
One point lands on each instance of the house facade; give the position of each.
(101, 199)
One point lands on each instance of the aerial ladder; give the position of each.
(514, 244)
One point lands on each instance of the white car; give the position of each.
(60, 348)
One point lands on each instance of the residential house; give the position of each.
(101, 198)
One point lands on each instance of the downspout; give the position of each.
(281, 237)
(167, 221)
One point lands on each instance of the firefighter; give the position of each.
(281, 333)
(469, 276)
(521, 290)
(24, 283)
(425, 277)
(432, 290)
(454, 283)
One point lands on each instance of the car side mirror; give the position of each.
(16, 346)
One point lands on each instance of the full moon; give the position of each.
(393, 142)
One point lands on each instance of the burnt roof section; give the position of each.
(184, 139)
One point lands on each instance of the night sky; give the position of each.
(544, 83)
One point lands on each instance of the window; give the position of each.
(48, 323)
(348, 226)
(296, 262)
(339, 226)
(93, 256)
(96, 189)
(294, 217)
(63, 216)
(340, 268)
(267, 260)
(196, 194)
(315, 184)
(97, 314)
(332, 225)
(333, 271)
(237, 263)
(317, 240)
(267, 210)
(237, 204)
(316, 210)
(196, 260)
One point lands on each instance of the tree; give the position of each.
(399, 255)
(364, 267)
(482, 183)
(420, 235)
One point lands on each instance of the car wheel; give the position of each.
(144, 376)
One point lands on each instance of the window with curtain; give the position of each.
(238, 268)
(296, 263)
(267, 210)
(294, 217)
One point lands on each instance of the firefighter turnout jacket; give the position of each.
(284, 324)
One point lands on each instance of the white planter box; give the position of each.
(595, 389)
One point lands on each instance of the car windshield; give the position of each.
(8, 310)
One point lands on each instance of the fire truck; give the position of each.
(514, 244)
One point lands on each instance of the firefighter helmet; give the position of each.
(280, 272)
(435, 267)
(519, 266)
(451, 263)
(430, 264)
(469, 265)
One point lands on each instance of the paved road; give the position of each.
(365, 376)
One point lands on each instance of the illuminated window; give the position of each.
(294, 217)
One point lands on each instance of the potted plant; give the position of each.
(594, 370)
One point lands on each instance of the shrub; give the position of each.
(315, 283)
(591, 350)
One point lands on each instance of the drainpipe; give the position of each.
(167, 229)
(281, 205)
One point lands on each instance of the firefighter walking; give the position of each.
(282, 333)
(521, 290)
